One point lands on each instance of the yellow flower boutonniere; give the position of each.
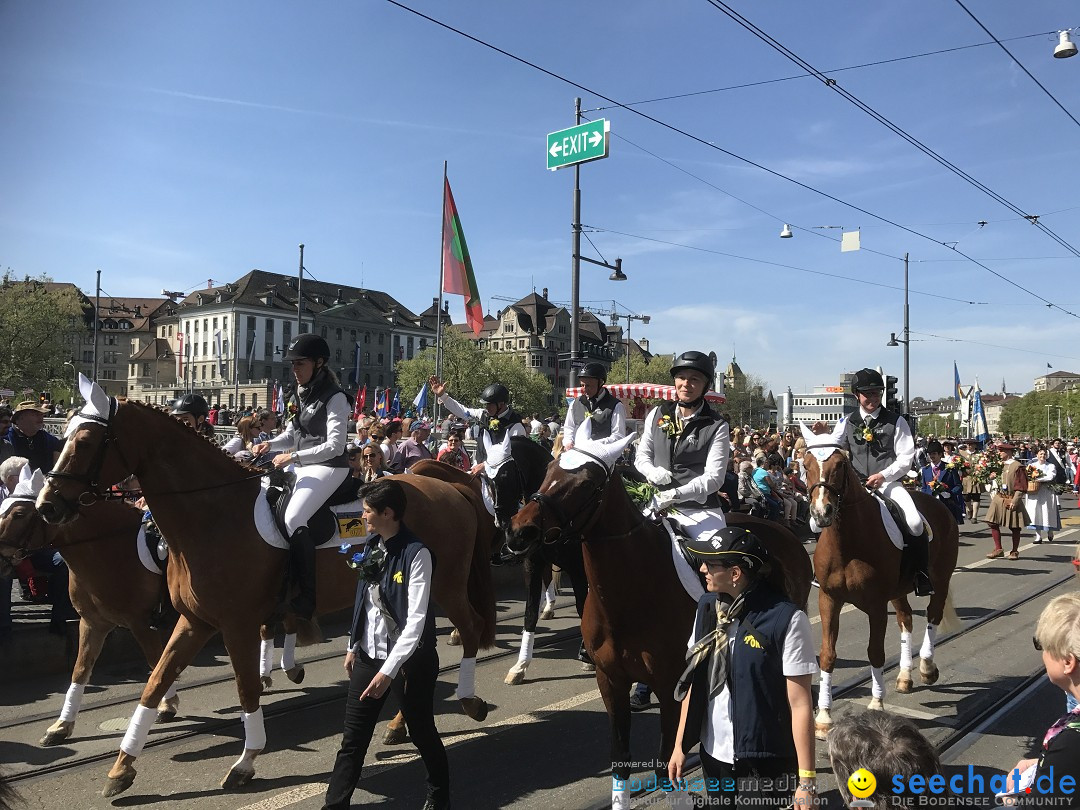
(867, 434)
(667, 424)
(493, 424)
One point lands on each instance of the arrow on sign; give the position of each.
(555, 149)
(595, 138)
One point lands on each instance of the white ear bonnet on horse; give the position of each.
(607, 453)
(824, 445)
(98, 404)
(30, 484)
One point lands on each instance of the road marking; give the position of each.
(984, 561)
(919, 714)
(845, 609)
(294, 796)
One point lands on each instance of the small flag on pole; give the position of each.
(420, 403)
(395, 406)
(957, 393)
(849, 240)
(380, 403)
(1049, 366)
(361, 400)
(458, 277)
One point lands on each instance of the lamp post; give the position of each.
(645, 320)
(906, 341)
(1048, 407)
(74, 381)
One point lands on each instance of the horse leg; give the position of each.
(616, 697)
(928, 671)
(464, 615)
(572, 563)
(149, 640)
(91, 639)
(396, 731)
(188, 638)
(266, 657)
(240, 643)
(516, 675)
(903, 619)
(548, 609)
(293, 671)
(670, 709)
(829, 610)
(875, 653)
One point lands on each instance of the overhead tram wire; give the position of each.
(832, 84)
(1019, 64)
(597, 229)
(831, 70)
(993, 345)
(720, 149)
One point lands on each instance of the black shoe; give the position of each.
(640, 700)
(583, 654)
(923, 586)
(437, 800)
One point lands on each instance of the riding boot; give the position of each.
(302, 561)
(920, 550)
(500, 552)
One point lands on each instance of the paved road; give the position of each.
(545, 744)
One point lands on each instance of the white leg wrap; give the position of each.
(825, 691)
(928, 642)
(288, 651)
(525, 654)
(905, 650)
(72, 702)
(877, 688)
(620, 796)
(549, 594)
(266, 657)
(254, 730)
(466, 686)
(170, 693)
(138, 729)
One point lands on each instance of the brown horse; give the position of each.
(108, 584)
(856, 563)
(638, 617)
(222, 575)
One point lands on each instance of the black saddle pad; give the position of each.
(321, 526)
(908, 557)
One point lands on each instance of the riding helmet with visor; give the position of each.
(495, 394)
(730, 546)
(867, 379)
(191, 403)
(595, 370)
(309, 347)
(696, 361)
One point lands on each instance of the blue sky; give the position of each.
(168, 144)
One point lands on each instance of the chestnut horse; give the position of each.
(222, 575)
(638, 618)
(108, 584)
(856, 562)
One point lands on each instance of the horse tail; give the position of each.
(950, 621)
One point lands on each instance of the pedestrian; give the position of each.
(1007, 503)
(454, 454)
(414, 448)
(1042, 505)
(969, 484)
(391, 646)
(746, 689)
(941, 481)
(28, 438)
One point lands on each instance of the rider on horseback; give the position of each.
(882, 448)
(596, 414)
(315, 443)
(498, 423)
(192, 410)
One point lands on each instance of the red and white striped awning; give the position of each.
(645, 391)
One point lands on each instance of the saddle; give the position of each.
(914, 550)
(325, 524)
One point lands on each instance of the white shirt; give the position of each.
(578, 426)
(376, 639)
(654, 453)
(337, 434)
(495, 454)
(717, 735)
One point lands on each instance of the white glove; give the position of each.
(658, 477)
(946, 494)
(663, 500)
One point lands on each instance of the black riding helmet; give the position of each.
(595, 370)
(495, 394)
(191, 403)
(308, 346)
(867, 379)
(730, 546)
(697, 361)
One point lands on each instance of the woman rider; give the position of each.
(314, 442)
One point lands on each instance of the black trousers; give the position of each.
(415, 690)
(768, 782)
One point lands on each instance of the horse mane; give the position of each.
(241, 466)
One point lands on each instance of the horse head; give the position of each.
(90, 461)
(21, 529)
(568, 500)
(827, 471)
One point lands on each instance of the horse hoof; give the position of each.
(167, 709)
(903, 682)
(115, 785)
(395, 736)
(928, 674)
(267, 683)
(821, 730)
(475, 708)
(296, 674)
(57, 732)
(455, 639)
(548, 612)
(876, 705)
(515, 677)
(237, 778)
(588, 667)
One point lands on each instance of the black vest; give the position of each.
(690, 449)
(602, 409)
(310, 418)
(869, 457)
(490, 436)
(400, 551)
(760, 713)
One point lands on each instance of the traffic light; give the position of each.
(892, 398)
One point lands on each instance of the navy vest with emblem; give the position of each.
(310, 418)
(400, 551)
(602, 409)
(869, 457)
(760, 713)
(491, 436)
(690, 449)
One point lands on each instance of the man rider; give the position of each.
(498, 422)
(884, 458)
(684, 451)
(595, 415)
(192, 410)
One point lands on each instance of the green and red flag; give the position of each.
(458, 277)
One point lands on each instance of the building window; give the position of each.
(337, 333)
(269, 327)
(521, 343)
(367, 379)
(352, 334)
(367, 359)
(267, 371)
(145, 369)
(367, 337)
(337, 355)
(88, 357)
(382, 339)
(286, 333)
(508, 327)
(380, 379)
(409, 343)
(215, 324)
(380, 363)
(423, 344)
(322, 332)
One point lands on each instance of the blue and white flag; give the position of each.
(395, 406)
(978, 416)
(420, 403)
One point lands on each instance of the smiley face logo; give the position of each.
(861, 783)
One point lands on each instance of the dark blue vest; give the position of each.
(400, 551)
(310, 418)
(760, 714)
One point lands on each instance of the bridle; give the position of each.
(567, 531)
(91, 478)
(838, 494)
(21, 544)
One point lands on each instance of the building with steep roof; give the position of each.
(734, 378)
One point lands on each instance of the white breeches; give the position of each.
(314, 485)
(698, 522)
(896, 492)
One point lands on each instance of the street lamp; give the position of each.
(617, 274)
(74, 381)
(645, 320)
(906, 341)
(1048, 407)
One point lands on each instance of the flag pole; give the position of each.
(436, 408)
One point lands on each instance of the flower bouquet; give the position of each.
(987, 467)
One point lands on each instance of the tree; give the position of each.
(37, 327)
(467, 370)
(654, 371)
(745, 402)
(1027, 416)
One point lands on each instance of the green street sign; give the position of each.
(579, 144)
